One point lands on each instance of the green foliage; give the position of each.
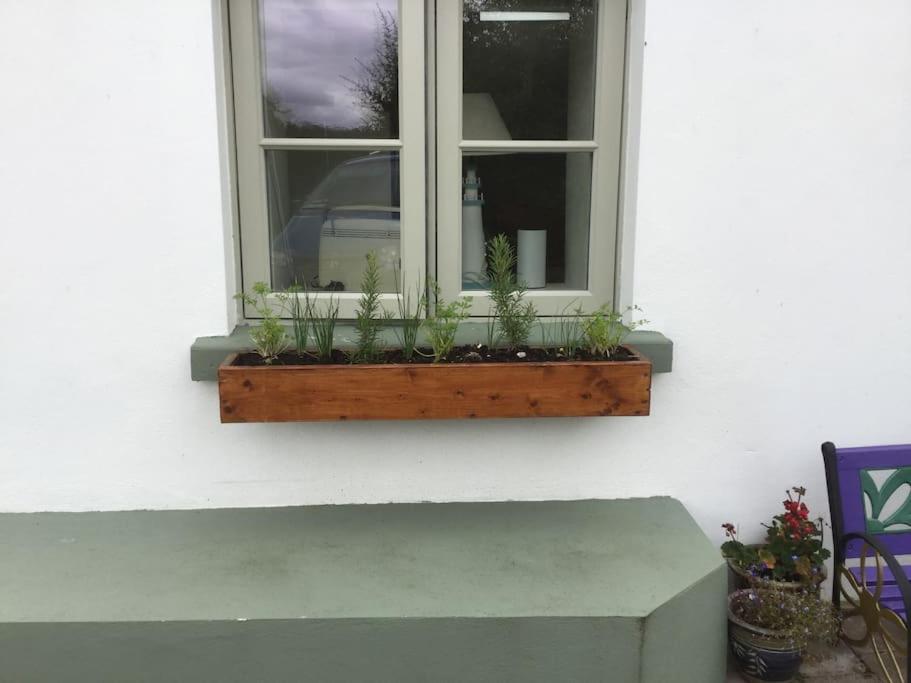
(411, 309)
(793, 549)
(269, 337)
(368, 324)
(547, 335)
(603, 331)
(493, 331)
(377, 85)
(515, 318)
(798, 617)
(568, 332)
(323, 325)
(442, 323)
(300, 308)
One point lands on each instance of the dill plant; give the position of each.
(442, 323)
(603, 331)
(269, 337)
(515, 317)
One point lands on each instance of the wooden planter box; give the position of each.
(301, 393)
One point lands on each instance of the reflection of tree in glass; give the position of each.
(528, 66)
(492, 33)
(278, 114)
(377, 86)
(376, 89)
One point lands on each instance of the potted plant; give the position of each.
(301, 376)
(770, 628)
(792, 555)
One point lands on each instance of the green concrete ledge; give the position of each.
(627, 591)
(207, 353)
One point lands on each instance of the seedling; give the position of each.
(515, 318)
(269, 337)
(442, 323)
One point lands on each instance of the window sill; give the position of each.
(207, 353)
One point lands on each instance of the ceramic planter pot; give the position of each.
(760, 654)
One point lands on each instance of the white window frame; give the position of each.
(251, 146)
(431, 149)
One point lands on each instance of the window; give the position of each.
(397, 125)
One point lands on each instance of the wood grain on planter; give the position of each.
(297, 393)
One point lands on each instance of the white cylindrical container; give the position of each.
(532, 258)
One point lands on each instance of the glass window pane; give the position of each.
(330, 68)
(528, 69)
(327, 210)
(542, 202)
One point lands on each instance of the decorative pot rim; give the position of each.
(821, 575)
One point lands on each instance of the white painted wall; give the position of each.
(774, 247)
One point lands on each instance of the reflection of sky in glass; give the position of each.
(311, 47)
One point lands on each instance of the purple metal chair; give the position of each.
(870, 505)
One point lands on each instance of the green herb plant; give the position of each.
(442, 323)
(368, 325)
(299, 307)
(604, 330)
(515, 317)
(568, 332)
(411, 306)
(548, 335)
(494, 335)
(269, 337)
(323, 326)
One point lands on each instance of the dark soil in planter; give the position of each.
(472, 353)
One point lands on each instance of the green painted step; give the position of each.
(620, 590)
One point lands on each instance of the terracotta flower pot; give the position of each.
(761, 654)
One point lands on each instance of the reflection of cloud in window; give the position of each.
(311, 47)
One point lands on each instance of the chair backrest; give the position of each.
(870, 492)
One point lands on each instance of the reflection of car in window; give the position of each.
(355, 209)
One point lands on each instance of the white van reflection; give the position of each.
(354, 210)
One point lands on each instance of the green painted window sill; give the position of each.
(207, 353)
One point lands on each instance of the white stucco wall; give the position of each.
(773, 247)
